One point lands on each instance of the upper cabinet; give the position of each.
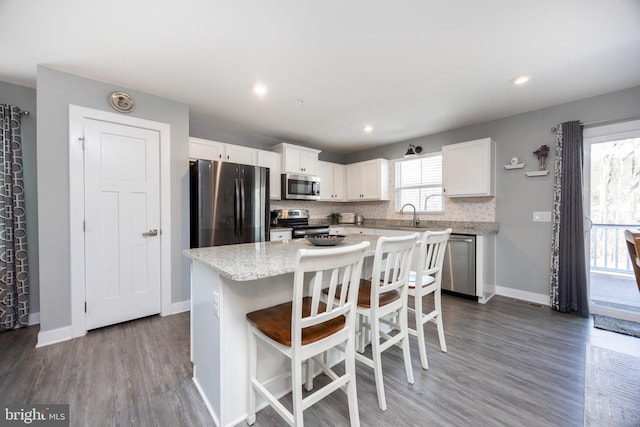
(213, 150)
(332, 181)
(368, 180)
(296, 159)
(271, 160)
(468, 168)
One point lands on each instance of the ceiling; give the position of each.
(406, 68)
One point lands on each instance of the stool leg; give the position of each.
(404, 330)
(296, 385)
(422, 346)
(438, 304)
(253, 361)
(308, 384)
(352, 394)
(377, 362)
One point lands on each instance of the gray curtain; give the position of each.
(568, 266)
(14, 277)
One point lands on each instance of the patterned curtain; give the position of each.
(14, 277)
(568, 266)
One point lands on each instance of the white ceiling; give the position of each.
(407, 68)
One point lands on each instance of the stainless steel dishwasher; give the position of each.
(459, 269)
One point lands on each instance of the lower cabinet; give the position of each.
(276, 235)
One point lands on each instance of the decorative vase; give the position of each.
(543, 163)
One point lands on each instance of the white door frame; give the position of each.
(77, 115)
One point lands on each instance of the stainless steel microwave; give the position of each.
(300, 187)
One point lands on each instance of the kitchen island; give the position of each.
(226, 283)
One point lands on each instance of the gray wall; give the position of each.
(523, 247)
(25, 98)
(56, 90)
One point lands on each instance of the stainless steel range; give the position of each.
(298, 220)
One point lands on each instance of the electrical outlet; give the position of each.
(542, 217)
(216, 304)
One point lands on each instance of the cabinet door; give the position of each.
(292, 162)
(468, 168)
(205, 149)
(339, 182)
(239, 154)
(371, 180)
(325, 170)
(271, 160)
(309, 162)
(354, 181)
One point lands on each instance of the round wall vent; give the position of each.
(122, 102)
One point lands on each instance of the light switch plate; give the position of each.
(542, 217)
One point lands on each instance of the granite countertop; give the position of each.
(251, 261)
(457, 227)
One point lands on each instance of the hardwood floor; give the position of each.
(508, 363)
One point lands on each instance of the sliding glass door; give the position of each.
(612, 198)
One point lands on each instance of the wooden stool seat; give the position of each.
(275, 322)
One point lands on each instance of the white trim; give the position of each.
(613, 312)
(204, 399)
(54, 336)
(182, 306)
(523, 295)
(77, 115)
(612, 132)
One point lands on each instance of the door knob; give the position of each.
(150, 233)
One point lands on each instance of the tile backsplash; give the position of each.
(468, 209)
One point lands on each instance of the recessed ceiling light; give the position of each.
(520, 80)
(368, 129)
(260, 89)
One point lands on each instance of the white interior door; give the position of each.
(122, 222)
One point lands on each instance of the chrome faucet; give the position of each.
(415, 221)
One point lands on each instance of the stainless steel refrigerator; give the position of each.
(229, 203)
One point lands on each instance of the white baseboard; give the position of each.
(179, 307)
(523, 295)
(63, 334)
(54, 336)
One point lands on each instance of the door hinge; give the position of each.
(81, 139)
(85, 306)
(84, 225)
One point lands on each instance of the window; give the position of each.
(419, 182)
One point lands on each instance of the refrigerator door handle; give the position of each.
(236, 213)
(242, 207)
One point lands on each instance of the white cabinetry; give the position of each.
(239, 154)
(332, 181)
(205, 149)
(468, 168)
(271, 160)
(214, 150)
(295, 159)
(277, 234)
(368, 180)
